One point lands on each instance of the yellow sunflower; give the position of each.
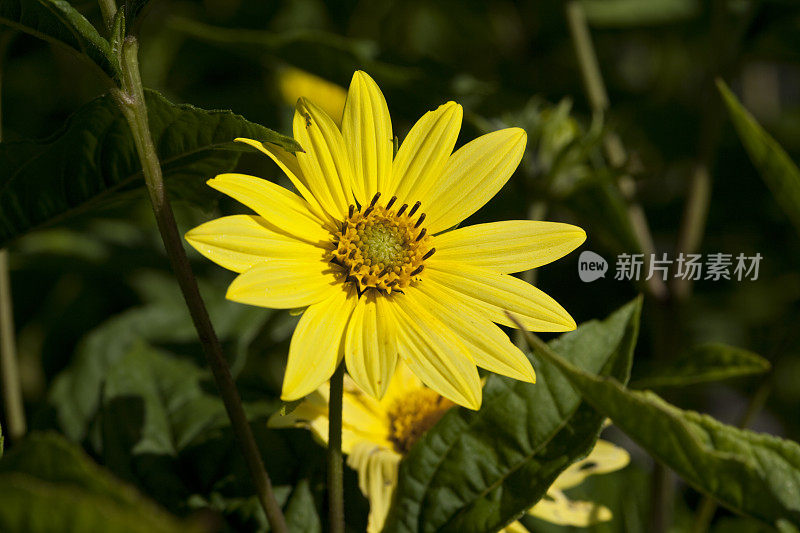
(368, 249)
(377, 433)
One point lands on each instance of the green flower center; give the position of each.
(382, 242)
(381, 247)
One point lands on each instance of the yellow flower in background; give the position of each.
(365, 248)
(377, 433)
(294, 84)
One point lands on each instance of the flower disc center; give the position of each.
(414, 414)
(381, 247)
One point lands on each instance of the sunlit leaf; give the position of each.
(706, 363)
(773, 163)
(477, 471)
(57, 21)
(48, 484)
(752, 473)
(93, 159)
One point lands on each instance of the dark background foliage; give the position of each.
(108, 354)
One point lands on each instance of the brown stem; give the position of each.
(132, 103)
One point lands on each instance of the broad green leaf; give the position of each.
(635, 13)
(478, 471)
(57, 21)
(751, 473)
(706, 363)
(157, 399)
(773, 163)
(301, 511)
(93, 159)
(47, 484)
(76, 393)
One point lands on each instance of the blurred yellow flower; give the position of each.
(365, 247)
(377, 433)
(294, 84)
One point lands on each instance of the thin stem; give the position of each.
(335, 467)
(708, 507)
(132, 103)
(698, 200)
(109, 9)
(12, 392)
(612, 146)
(9, 369)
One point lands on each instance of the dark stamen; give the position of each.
(352, 253)
(418, 270)
(422, 233)
(368, 210)
(375, 199)
(421, 218)
(385, 270)
(428, 254)
(391, 202)
(414, 209)
(402, 208)
(351, 210)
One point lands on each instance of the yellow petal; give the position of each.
(493, 294)
(558, 509)
(486, 342)
(423, 155)
(285, 283)
(604, 458)
(282, 210)
(509, 246)
(325, 163)
(295, 83)
(403, 382)
(370, 349)
(472, 176)
(377, 479)
(289, 165)
(435, 353)
(238, 242)
(367, 132)
(514, 527)
(316, 345)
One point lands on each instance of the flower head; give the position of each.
(367, 247)
(376, 434)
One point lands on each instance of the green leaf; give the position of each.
(301, 511)
(635, 13)
(76, 393)
(57, 21)
(478, 471)
(155, 403)
(706, 363)
(751, 473)
(47, 484)
(93, 159)
(777, 169)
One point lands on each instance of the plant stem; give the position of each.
(12, 392)
(612, 146)
(335, 467)
(109, 9)
(132, 103)
(9, 369)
